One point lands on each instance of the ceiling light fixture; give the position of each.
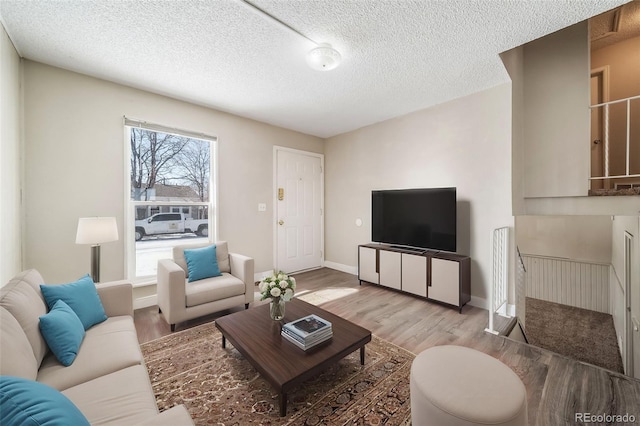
(323, 58)
(320, 58)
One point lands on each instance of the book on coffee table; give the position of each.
(305, 346)
(310, 339)
(308, 331)
(308, 327)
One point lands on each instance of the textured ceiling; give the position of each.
(615, 25)
(398, 56)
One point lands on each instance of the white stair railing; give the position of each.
(607, 143)
(499, 285)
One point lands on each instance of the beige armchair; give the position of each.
(179, 300)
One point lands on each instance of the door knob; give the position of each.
(281, 222)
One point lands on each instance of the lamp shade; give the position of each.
(96, 230)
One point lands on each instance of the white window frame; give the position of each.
(130, 205)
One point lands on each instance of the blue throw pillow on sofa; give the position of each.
(81, 296)
(28, 403)
(63, 331)
(202, 263)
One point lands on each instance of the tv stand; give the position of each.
(436, 276)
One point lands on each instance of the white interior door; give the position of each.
(299, 204)
(628, 319)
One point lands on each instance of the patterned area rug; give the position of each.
(219, 387)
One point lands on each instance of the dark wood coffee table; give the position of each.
(257, 337)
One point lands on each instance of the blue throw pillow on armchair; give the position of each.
(81, 296)
(202, 263)
(28, 403)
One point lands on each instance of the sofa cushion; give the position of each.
(33, 278)
(81, 296)
(107, 347)
(202, 263)
(28, 403)
(16, 353)
(124, 397)
(212, 289)
(63, 331)
(222, 254)
(22, 298)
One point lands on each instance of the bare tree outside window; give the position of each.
(170, 160)
(194, 161)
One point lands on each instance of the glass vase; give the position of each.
(276, 308)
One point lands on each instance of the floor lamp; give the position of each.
(95, 231)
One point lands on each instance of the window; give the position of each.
(171, 194)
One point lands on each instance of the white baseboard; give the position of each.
(353, 270)
(145, 302)
(479, 302)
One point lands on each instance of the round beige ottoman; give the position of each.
(454, 385)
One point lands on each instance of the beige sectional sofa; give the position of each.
(107, 381)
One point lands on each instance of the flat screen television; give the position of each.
(418, 218)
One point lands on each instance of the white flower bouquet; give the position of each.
(277, 286)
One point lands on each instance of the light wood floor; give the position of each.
(557, 387)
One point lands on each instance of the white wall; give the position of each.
(581, 238)
(556, 124)
(513, 61)
(10, 159)
(464, 143)
(75, 153)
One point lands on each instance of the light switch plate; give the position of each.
(262, 207)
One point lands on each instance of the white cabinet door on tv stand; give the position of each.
(445, 281)
(414, 274)
(390, 269)
(368, 265)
